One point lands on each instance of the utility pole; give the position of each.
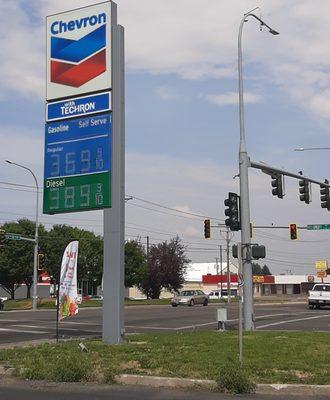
(148, 247)
(221, 270)
(228, 266)
(217, 265)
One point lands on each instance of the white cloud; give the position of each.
(165, 92)
(231, 98)
(190, 40)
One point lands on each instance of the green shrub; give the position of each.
(235, 379)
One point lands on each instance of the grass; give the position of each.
(278, 357)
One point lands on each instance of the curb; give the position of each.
(158, 381)
(294, 389)
(185, 383)
(265, 389)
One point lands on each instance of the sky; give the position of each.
(182, 129)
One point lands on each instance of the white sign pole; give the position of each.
(114, 217)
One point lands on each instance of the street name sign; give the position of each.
(318, 227)
(12, 236)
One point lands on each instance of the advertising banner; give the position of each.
(79, 51)
(68, 293)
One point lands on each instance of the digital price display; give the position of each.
(77, 164)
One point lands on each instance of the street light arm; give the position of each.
(28, 169)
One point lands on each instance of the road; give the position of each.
(19, 326)
(18, 390)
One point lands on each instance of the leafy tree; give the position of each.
(17, 257)
(256, 269)
(90, 253)
(135, 263)
(265, 270)
(166, 268)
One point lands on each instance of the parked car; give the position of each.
(96, 297)
(218, 294)
(319, 296)
(190, 298)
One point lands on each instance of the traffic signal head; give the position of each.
(293, 231)
(207, 228)
(232, 212)
(277, 185)
(325, 196)
(2, 237)
(41, 261)
(304, 190)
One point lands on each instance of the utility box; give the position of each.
(221, 318)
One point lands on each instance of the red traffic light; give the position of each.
(293, 231)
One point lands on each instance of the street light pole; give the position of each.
(36, 239)
(244, 163)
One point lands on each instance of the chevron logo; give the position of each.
(75, 62)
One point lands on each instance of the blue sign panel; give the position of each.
(78, 107)
(78, 147)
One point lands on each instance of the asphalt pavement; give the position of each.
(21, 326)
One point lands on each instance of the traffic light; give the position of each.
(293, 231)
(2, 237)
(304, 190)
(325, 196)
(232, 212)
(207, 228)
(277, 185)
(41, 261)
(258, 251)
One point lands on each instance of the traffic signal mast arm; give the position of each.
(269, 170)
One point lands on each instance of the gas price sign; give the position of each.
(77, 164)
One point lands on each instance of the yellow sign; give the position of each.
(321, 265)
(321, 274)
(258, 279)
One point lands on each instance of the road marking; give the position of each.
(60, 327)
(21, 331)
(80, 323)
(292, 321)
(29, 326)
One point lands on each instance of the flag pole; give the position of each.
(57, 308)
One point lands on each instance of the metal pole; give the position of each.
(36, 240)
(217, 265)
(240, 308)
(221, 270)
(114, 217)
(244, 164)
(228, 267)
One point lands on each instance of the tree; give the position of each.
(167, 264)
(265, 270)
(135, 263)
(90, 253)
(256, 269)
(17, 257)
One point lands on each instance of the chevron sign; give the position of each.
(79, 51)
